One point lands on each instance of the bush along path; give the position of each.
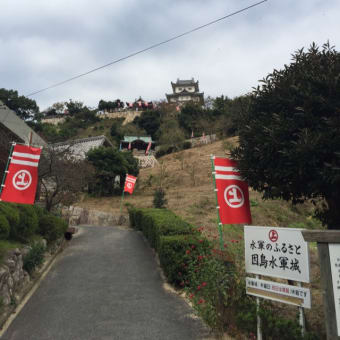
(30, 237)
(213, 280)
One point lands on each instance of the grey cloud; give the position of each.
(44, 42)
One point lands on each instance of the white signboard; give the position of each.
(334, 257)
(292, 295)
(277, 252)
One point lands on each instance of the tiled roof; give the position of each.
(185, 82)
(79, 147)
(130, 139)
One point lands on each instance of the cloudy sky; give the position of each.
(46, 42)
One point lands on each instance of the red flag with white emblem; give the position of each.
(232, 193)
(130, 182)
(22, 175)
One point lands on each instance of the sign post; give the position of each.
(129, 186)
(281, 253)
(328, 242)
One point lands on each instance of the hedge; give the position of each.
(174, 239)
(155, 223)
(51, 227)
(4, 228)
(11, 213)
(176, 251)
(21, 222)
(28, 224)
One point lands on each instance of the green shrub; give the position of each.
(34, 258)
(11, 212)
(132, 212)
(39, 211)
(164, 150)
(4, 227)
(51, 227)
(160, 222)
(211, 288)
(176, 252)
(186, 145)
(159, 200)
(27, 226)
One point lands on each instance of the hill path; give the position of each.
(105, 285)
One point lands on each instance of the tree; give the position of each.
(56, 109)
(188, 116)
(24, 107)
(171, 135)
(149, 121)
(61, 177)
(289, 138)
(110, 106)
(110, 163)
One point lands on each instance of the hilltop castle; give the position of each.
(184, 91)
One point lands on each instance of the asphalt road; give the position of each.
(105, 285)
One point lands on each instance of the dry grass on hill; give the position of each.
(186, 177)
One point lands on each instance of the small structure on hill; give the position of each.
(143, 149)
(185, 91)
(140, 104)
(138, 145)
(79, 147)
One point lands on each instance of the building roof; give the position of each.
(79, 147)
(130, 139)
(18, 127)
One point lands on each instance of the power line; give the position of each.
(148, 48)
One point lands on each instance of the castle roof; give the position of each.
(189, 82)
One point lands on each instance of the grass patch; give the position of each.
(5, 246)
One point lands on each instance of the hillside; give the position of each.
(186, 177)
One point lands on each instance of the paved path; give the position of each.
(105, 285)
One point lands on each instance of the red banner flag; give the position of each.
(148, 148)
(232, 193)
(22, 177)
(130, 182)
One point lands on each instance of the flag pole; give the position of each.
(121, 202)
(212, 157)
(6, 169)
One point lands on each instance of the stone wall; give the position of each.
(146, 161)
(13, 278)
(202, 140)
(78, 215)
(128, 115)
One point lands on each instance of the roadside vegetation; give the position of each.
(26, 225)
